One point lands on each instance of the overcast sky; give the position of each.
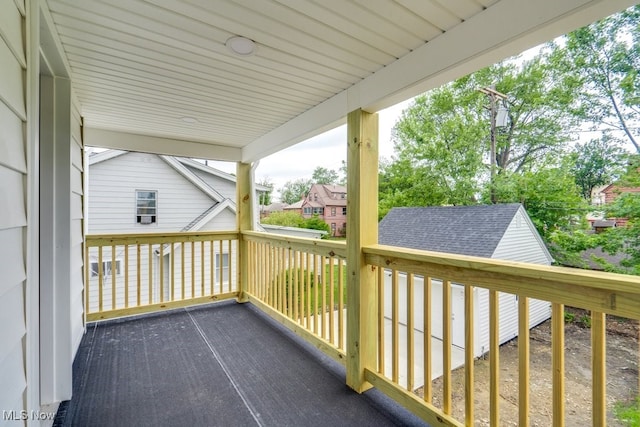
(327, 150)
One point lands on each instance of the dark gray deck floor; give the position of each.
(226, 364)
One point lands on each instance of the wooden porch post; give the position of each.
(244, 206)
(362, 230)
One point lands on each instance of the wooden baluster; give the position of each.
(494, 358)
(446, 346)
(557, 362)
(126, 276)
(523, 361)
(599, 368)
(468, 355)
(427, 350)
(410, 333)
(395, 329)
(381, 342)
(100, 281)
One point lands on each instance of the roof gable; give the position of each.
(325, 193)
(465, 230)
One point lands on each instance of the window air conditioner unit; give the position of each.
(145, 219)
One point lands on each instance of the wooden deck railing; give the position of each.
(435, 311)
(129, 274)
(432, 275)
(302, 284)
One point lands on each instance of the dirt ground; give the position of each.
(622, 375)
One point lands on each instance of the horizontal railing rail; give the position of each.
(302, 284)
(128, 274)
(433, 304)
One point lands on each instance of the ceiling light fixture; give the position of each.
(241, 45)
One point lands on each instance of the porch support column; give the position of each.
(56, 347)
(362, 230)
(244, 222)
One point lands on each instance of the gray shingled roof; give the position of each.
(464, 230)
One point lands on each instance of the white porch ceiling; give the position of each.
(138, 67)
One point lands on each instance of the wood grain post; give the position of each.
(244, 203)
(362, 220)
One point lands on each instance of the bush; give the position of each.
(285, 219)
(315, 223)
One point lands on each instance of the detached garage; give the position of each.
(502, 231)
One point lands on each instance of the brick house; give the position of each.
(605, 196)
(329, 202)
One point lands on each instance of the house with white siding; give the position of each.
(131, 192)
(502, 231)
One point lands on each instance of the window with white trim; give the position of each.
(225, 267)
(146, 207)
(107, 268)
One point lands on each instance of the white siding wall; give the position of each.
(520, 242)
(13, 219)
(226, 188)
(224, 221)
(539, 311)
(112, 186)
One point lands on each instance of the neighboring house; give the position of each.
(502, 231)
(605, 195)
(294, 207)
(329, 203)
(131, 192)
(266, 210)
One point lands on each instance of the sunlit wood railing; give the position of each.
(129, 274)
(436, 313)
(415, 292)
(301, 283)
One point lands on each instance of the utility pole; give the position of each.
(494, 96)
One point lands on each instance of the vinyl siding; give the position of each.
(112, 186)
(13, 218)
(521, 242)
(539, 311)
(223, 186)
(224, 221)
(77, 233)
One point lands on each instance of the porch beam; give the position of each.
(362, 220)
(127, 141)
(244, 205)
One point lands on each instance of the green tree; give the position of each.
(324, 176)
(438, 157)
(343, 173)
(264, 198)
(294, 191)
(605, 56)
(285, 219)
(442, 140)
(596, 162)
(625, 240)
(549, 194)
(568, 245)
